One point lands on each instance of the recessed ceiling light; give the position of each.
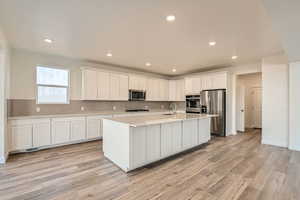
(48, 40)
(234, 57)
(148, 64)
(174, 70)
(212, 43)
(170, 18)
(109, 54)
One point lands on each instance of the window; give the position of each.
(52, 85)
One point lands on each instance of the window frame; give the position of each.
(52, 86)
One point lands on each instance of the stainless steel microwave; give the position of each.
(137, 95)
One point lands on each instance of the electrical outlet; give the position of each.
(114, 107)
(82, 108)
(146, 107)
(162, 106)
(38, 109)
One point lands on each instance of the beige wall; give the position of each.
(275, 107)
(23, 66)
(4, 88)
(250, 81)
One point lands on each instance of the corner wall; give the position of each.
(294, 102)
(275, 104)
(4, 71)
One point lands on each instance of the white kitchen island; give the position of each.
(133, 142)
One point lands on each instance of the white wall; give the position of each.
(294, 94)
(23, 66)
(4, 69)
(275, 114)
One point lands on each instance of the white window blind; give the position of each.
(52, 85)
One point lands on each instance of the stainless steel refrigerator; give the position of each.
(215, 103)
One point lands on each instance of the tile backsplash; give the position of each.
(24, 107)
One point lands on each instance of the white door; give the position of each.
(41, 134)
(172, 90)
(240, 108)
(256, 110)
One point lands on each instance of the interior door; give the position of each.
(240, 108)
(256, 110)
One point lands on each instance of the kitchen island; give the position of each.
(135, 141)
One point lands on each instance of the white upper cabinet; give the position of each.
(89, 85)
(192, 85)
(176, 90)
(137, 82)
(205, 82)
(103, 85)
(219, 81)
(100, 85)
(157, 90)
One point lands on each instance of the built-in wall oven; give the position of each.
(193, 103)
(137, 95)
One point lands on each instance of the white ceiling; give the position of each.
(136, 31)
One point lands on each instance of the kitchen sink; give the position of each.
(169, 114)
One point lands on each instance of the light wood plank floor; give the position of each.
(236, 167)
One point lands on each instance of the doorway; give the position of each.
(249, 101)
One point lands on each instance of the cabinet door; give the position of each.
(153, 143)
(204, 130)
(60, 131)
(114, 87)
(196, 85)
(172, 90)
(177, 137)
(41, 134)
(206, 82)
(89, 85)
(150, 90)
(123, 87)
(78, 129)
(180, 95)
(138, 147)
(21, 137)
(94, 128)
(166, 140)
(188, 86)
(190, 134)
(219, 81)
(103, 85)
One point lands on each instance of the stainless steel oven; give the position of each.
(193, 103)
(137, 95)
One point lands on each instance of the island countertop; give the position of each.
(145, 120)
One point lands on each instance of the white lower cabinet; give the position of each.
(66, 130)
(41, 133)
(171, 138)
(153, 141)
(60, 131)
(26, 134)
(189, 134)
(94, 126)
(78, 129)
(21, 137)
(203, 130)
(138, 146)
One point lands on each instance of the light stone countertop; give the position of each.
(145, 120)
(87, 114)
